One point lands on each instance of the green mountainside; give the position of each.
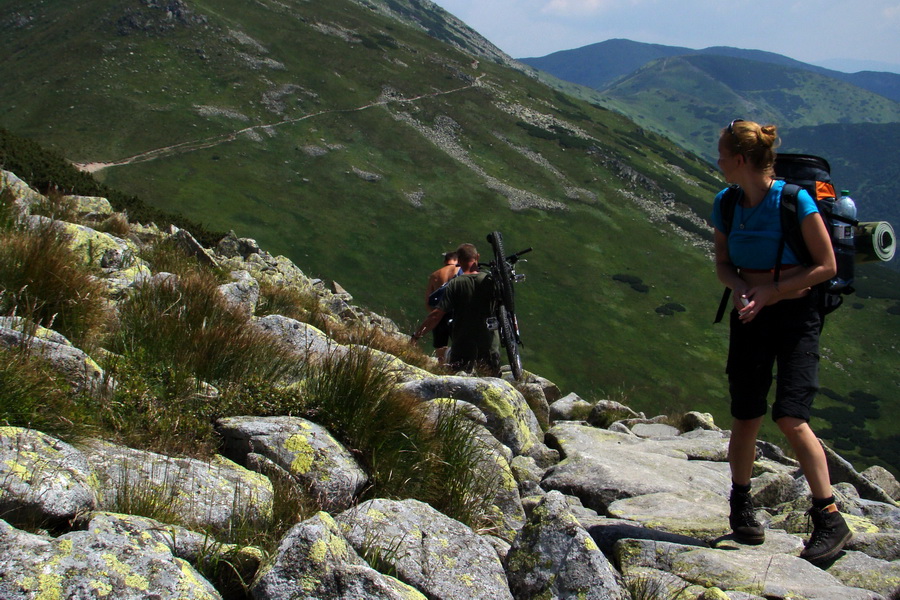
(362, 145)
(688, 95)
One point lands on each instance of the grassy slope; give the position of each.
(585, 330)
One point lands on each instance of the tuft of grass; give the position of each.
(42, 280)
(645, 585)
(288, 301)
(32, 395)
(137, 496)
(175, 338)
(354, 397)
(166, 256)
(457, 484)
(116, 224)
(185, 327)
(438, 461)
(9, 215)
(377, 338)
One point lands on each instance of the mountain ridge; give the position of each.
(625, 56)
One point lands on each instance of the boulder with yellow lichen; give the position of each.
(315, 562)
(320, 465)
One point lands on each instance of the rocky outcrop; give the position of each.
(591, 499)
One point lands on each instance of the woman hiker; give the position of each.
(774, 321)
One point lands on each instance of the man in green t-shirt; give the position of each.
(470, 297)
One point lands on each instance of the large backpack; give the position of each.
(813, 174)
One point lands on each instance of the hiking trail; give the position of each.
(193, 145)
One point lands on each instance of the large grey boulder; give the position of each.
(752, 571)
(509, 418)
(697, 513)
(315, 562)
(570, 407)
(859, 570)
(242, 293)
(89, 207)
(537, 402)
(215, 494)
(316, 460)
(602, 466)
(841, 470)
(43, 479)
(606, 412)
(310, 343)
(438, 555)
(883, 545)
(105, 561)
(190, 246)
(93, 247)
(23, 196)
(76, 367)
(884, 479)
(189, 545)
(554, 557)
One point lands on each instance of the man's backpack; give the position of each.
(813, 174)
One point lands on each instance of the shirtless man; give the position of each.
(441, 335)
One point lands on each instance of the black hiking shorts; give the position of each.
(784, 335)
(441, 333)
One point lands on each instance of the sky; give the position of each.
(812, 31)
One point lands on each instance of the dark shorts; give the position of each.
(785, 335)
(441, 332)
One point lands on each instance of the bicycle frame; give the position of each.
(504, 276)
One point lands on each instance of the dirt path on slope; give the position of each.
(216, 140)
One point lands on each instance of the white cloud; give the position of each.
(581, 7)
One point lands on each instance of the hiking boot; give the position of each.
(830, 533)
(746, 529)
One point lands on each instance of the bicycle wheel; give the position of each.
(505, 283)
(510, 340)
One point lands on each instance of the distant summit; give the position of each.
(849, 65)
(601, 65)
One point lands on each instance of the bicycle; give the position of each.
(503, 274)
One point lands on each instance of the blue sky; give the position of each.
(813, 31)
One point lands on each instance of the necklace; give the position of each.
(745, 218)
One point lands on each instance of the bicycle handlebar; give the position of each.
(515, 257)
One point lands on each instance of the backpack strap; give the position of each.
(728, 205)
(791, 234)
